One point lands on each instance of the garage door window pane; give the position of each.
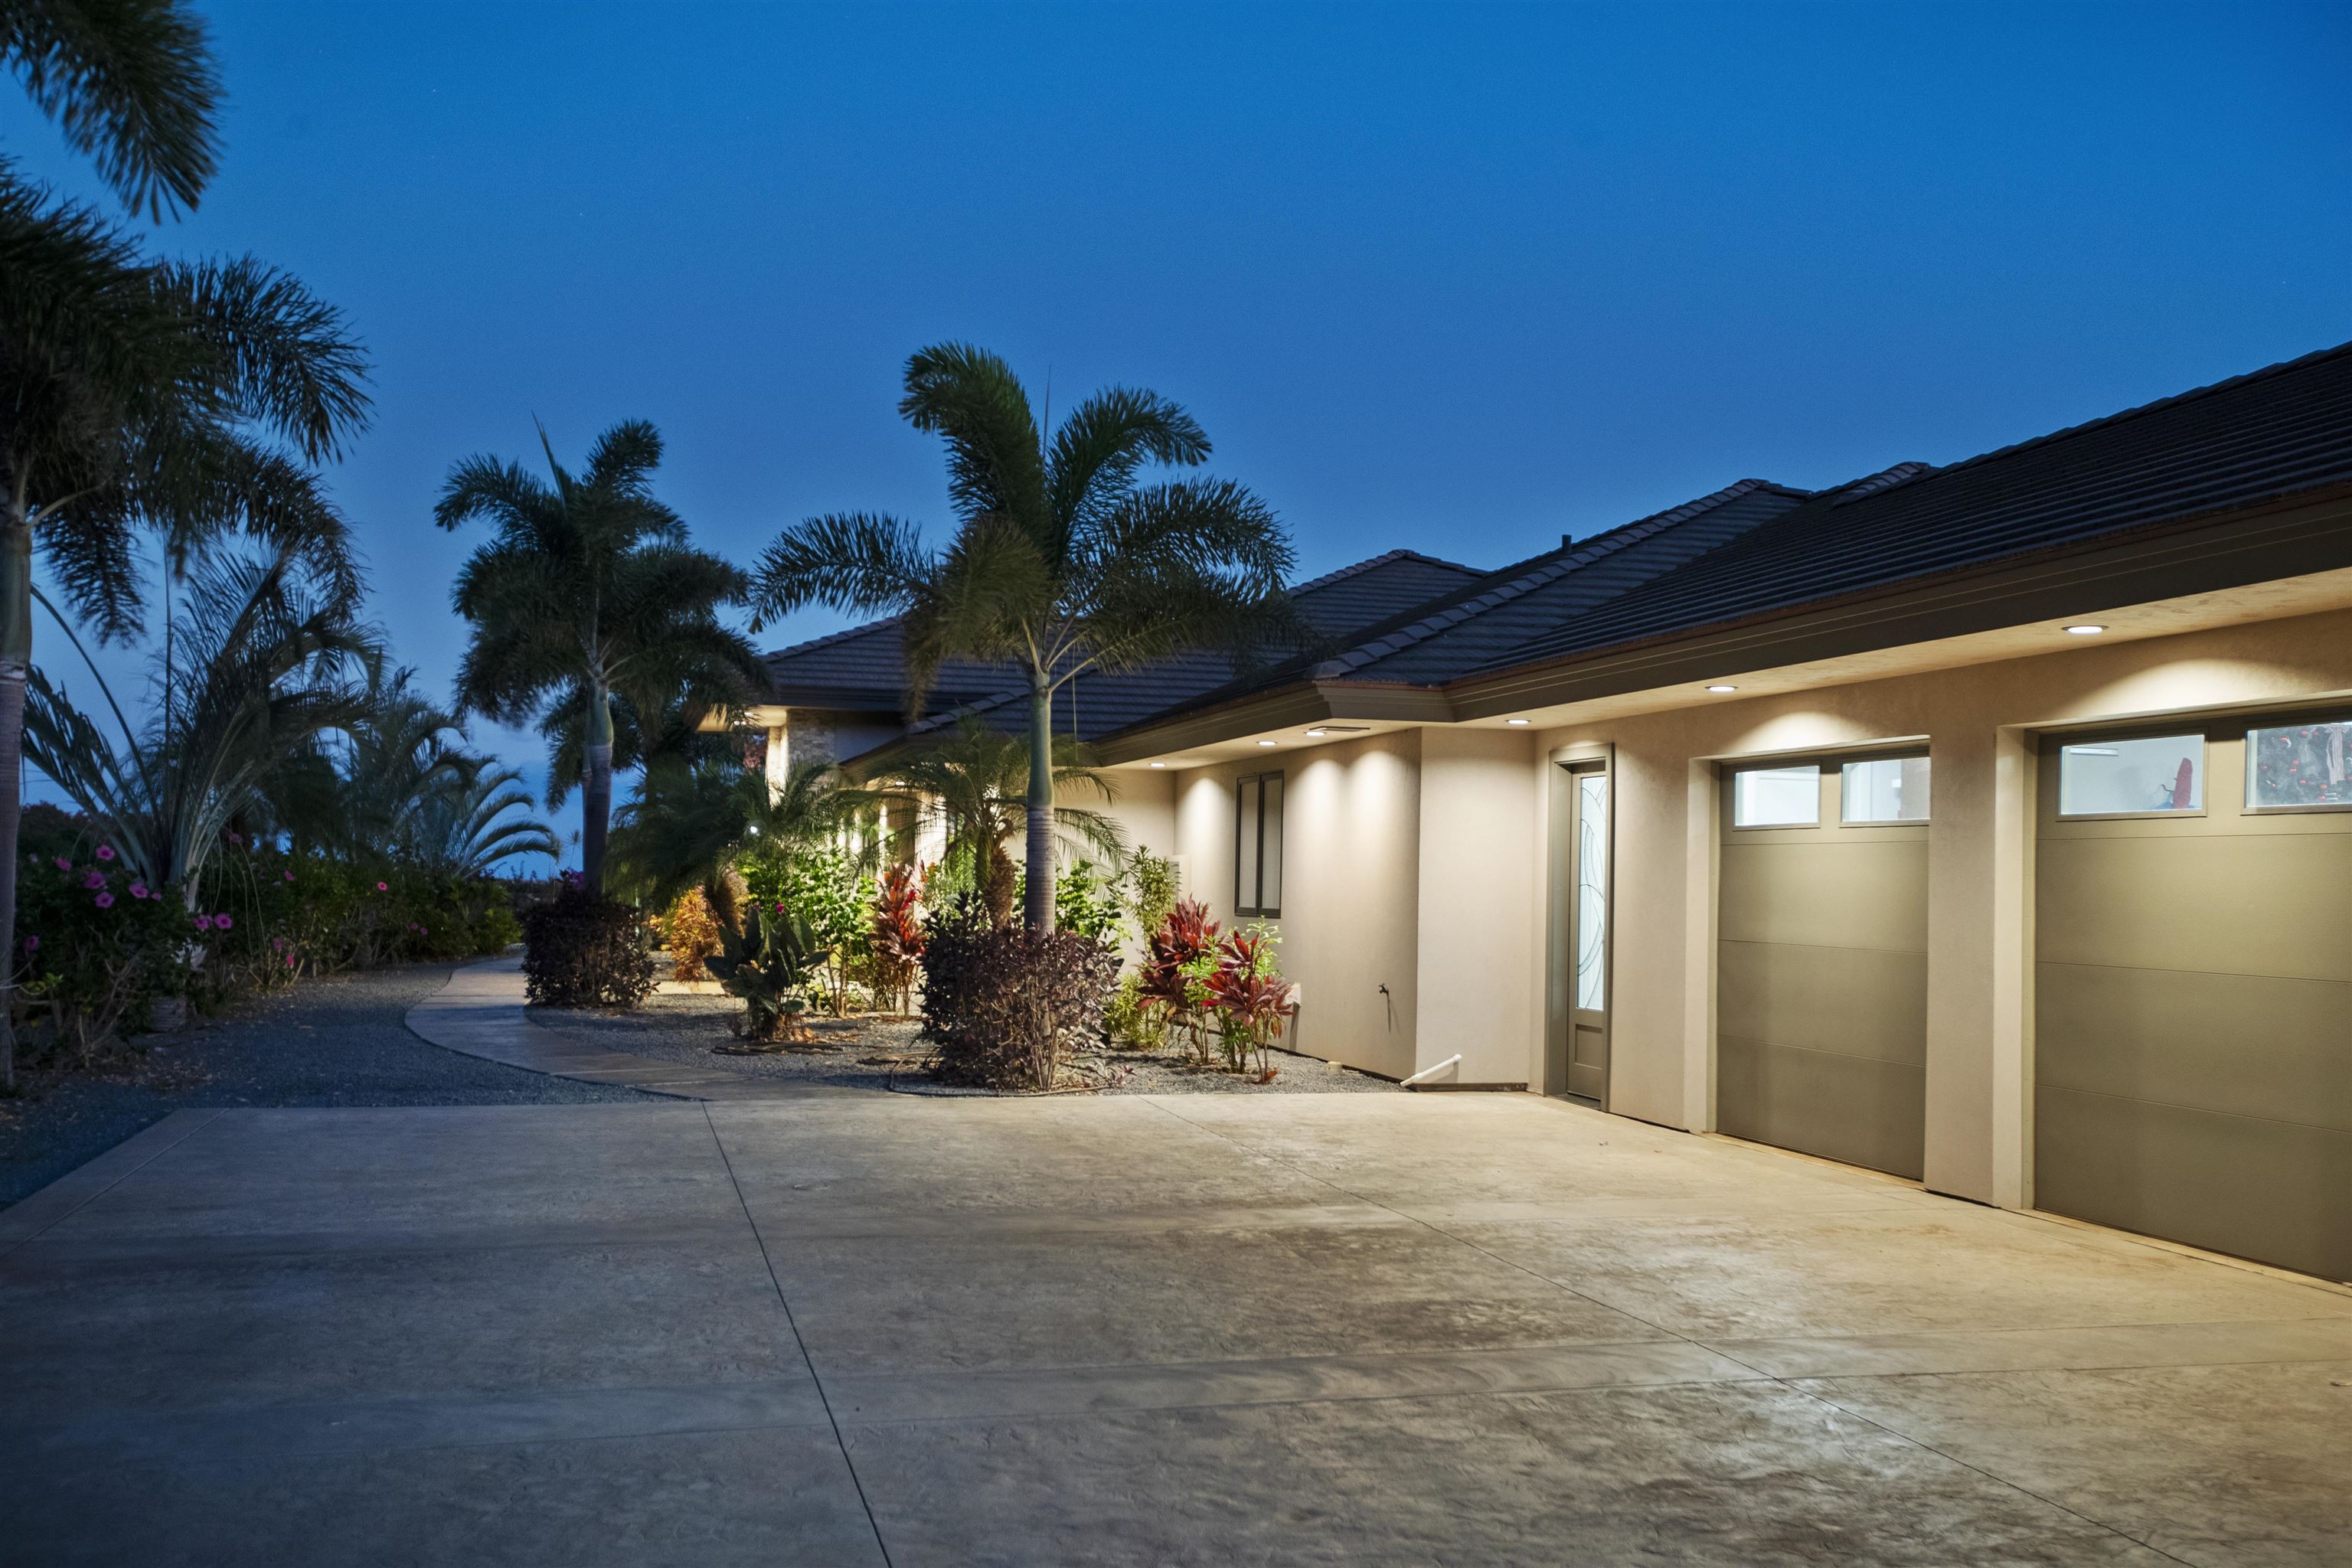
(1776, 797)
(2300, 764)
(1886, 789)
(2105, 778)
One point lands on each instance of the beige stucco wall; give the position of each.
(1144, 805)
(1351, 882)
(1478, 994)
(1979, 722)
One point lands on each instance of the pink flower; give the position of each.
(222, 923)
(383, 887)
(105, 900)
(236, 838)
(95, 879)
(138, 889)
(32, 944)
(289, 875)
(204, 922)
(106, 851)
(289, 960)
(64, 863)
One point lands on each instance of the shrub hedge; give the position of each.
(583, 949)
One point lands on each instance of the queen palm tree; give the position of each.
(192, 399)
(1061, 562)
(589, 587)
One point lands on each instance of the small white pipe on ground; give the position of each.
(1450, 1061)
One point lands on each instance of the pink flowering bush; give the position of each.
(97, 949)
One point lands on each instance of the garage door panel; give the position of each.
(2200, 903)
(1851, 1001)
(2244, 1045)
(1868, 893)
(1851, 1108)
(2240, 1185)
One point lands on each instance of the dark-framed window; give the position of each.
(1257, 845)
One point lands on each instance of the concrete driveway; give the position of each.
(1335, 1330)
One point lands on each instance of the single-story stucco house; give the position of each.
(1987, 824)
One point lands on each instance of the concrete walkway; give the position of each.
(481, 1014)
(1342, 1330)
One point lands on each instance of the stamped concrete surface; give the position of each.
(1358, 1329)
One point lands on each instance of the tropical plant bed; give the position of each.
(885, 1051)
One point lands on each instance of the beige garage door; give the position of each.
(1821, 970)
(2193, 985)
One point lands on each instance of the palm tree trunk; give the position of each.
(596, 788)
(15, 659)
(1038, 903)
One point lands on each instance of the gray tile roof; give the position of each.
(2262, 436)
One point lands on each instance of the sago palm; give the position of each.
(1062, 561)
(267, 669)
(972, 790)
(588, 588)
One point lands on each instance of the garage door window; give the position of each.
(1777, 798)
(1885, 789)
(2133, 777)
(2300, 767)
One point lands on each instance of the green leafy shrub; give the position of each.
(1153, 889)
(583, 950)
(99, 947)
(1007, 1007)
(1127, 1020)
(1087, 902)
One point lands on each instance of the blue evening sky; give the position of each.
(1460, 278)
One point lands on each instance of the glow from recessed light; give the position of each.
(1267, 743)
(2084, 631)
(1519, 720)
(1720, 689)
(1311, 734)
(1160, 765)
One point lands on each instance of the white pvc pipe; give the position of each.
(1408, 1083)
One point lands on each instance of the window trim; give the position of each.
(1253, 911)
(1731, 782)
(2201, 731)
(2245, 737)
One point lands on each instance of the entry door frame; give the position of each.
(1564, 766)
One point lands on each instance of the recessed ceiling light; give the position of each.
(1160, 765)
(1314, 735)
(1516, 721)
(2084, 631)
(1266, 742)
(1718, 689)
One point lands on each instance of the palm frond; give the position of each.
(848, 561)
(972, 398)
(132, 85)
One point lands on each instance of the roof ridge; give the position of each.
(1344, 573)
(830, 637)
(2137, 410)
(1554, 564)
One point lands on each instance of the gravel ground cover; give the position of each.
(335, 1041)
(880, 1052)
